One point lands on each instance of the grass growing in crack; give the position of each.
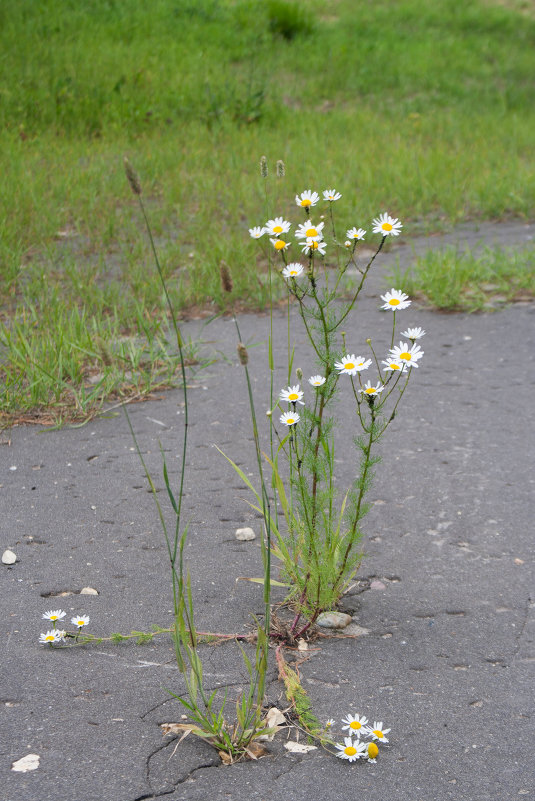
(452, 279)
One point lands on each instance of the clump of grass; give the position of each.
(452, 279)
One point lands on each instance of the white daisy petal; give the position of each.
(395, 300)
(331, 195)
(309, 230)
(377, 731)
(317, 380)
(314, 246)
(355, 233)
(48, 638)
(352, 364)
(307, 199)
(386, 225)
(292, 395)
(277, 227)
(257, 232)
(351, 749)
(81, 620)
(279, 244)
(289, 418)
(406, 355)
(372, 389)
(55, 614)
(293, 270)
(357, 724)
(413, 333)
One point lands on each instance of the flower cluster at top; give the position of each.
(310, 235)
(56, 635)
(353, 747)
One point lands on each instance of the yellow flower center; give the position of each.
(280, 244)
(372, 750)
(395, 366)
(354, 723)
(293, 397)
(311, 232)
(290, 421)
(386, 227)
(50, 638)
(349, 366)
(405, 355)
(293, 272)
(394, 302)
(378, 733)
(53, 617)
(306, 202)
(277, 229)
(349, 750)
(369, 391)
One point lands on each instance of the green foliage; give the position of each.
(288, 18)
(451, 279)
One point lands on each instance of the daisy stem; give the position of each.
(357, 293)
(393, 329)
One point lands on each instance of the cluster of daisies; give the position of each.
(400, 359)
(310, 234)
(353, 748)
(55, 635)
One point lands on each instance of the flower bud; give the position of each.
(263, 167)
(226, 278)
(132, 177)
(281, 169)
(242, 353)
(299, 374)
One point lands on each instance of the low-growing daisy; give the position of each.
(371, 752)
(378, 733)
(356, 724)
(407, 355)
(355, 233)
(351, 750)
(307, 198)
(61, 634)
(81, 620)
(277, 226)
(309, 230)
(314, 246)
(292, 395)
(394, 365)
(387, 225)
(395, 300)
(48, 638)
(56, 614)
(317, 380)
(293, 270)
(279, 244)
(257, 232)
(372, 389)
(413, 333)
(330, 723)
(289, 418)
(352, 364)
(331, 194)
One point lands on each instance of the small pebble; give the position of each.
(245, 534)
(88, 591)
(334, 620)
(28, 762)
(8, 557)
(377, 585)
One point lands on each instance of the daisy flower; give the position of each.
(352, 364)
(355, 233)
(331, 194)
(277, 226)
(386, 225)
(317, 380)
(56, 614)
(351, 750)
(372, 389)
(378, 733)
(81, 620)
(330, 723)
(394, 365)
(292, 395)
(313, 246)
(307, 199)
(413, 333)
(61, 634)
(279, 244)
(257, 232)
(356, 724)
(49, 637)
(289, 418)
(403, 353)
(395, 299)
(308, 230)
(372, 752)
(293, 270)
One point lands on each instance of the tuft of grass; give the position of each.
(455, 280)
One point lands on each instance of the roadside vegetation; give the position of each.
(424, 110)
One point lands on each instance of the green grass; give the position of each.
(455, 280)
(423, 110)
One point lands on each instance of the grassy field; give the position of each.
(424, 110)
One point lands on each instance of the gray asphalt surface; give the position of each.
(446, 589)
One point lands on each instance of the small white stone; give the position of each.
(334, 620)
(8, 557)
(245, 534)
(88, 591)
(29, 762)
